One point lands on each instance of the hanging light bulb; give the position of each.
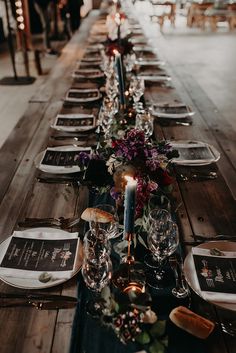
(20, 19)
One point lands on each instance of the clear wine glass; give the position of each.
(97, 274)
(111, 87)
(144, 122)
(137, 89)
(129, 62)
(162, 239)
(111, 228)
(96, 244)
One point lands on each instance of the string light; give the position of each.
(20, 18)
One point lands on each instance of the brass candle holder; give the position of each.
(130, 277)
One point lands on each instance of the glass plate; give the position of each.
(31, 283)
(190, 273)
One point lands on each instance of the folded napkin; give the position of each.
(210, 276)
(31, 254)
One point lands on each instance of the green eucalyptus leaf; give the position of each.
(157, 347)
(158, 329)
(135, 240)
(165, 341)
(143, 338)
(140, 239)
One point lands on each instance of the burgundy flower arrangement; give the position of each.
(145, 160)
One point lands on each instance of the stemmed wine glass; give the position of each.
(111, 228)
(144, 122)
(106, 115)
(96, 267)
(162, 241)
(136, 90)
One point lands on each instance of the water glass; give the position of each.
(111, 228)
(144, 122)
(97, 274)
(163, 240)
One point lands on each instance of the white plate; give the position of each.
(87, 73)
(74, 128)
(150, 62)
(83, 100)
(59, 169)
(190, 273)
(91, 59)
(31, 283)
(155, 78)
(143, 48)
(160, 114)
(192, 162)
(93, 63)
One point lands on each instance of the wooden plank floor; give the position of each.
(14, 99)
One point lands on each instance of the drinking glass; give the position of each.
(129, 62)
(144, 122)
(162, 241)
(96, 244)
(112, 87)
(97, 274)
(111, 228)
(136, 88)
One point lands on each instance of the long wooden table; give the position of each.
(206, 207)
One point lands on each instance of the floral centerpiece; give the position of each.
(118, 33)
(145, 160)
(133, 322)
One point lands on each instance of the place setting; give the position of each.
(82, 96)
(172, 114)
(196, 161)
(40, 258)
(210, 271)
(63, 159)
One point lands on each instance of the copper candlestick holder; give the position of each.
(130, 277)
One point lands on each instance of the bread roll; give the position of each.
(192, 323)
(97, 215)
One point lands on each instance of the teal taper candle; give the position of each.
(130, 202)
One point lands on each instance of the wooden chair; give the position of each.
(196, 16)
(225, 13)
(162, 11)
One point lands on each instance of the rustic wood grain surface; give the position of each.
(206, 207)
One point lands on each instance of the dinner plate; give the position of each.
(91, 59)
(87, 73)
(83, 95)
(74, 122)
(189, 148)
(190, 272)
(142, 62)
(171, 111)
(59, 169)
(34, 283)
(155, 78)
